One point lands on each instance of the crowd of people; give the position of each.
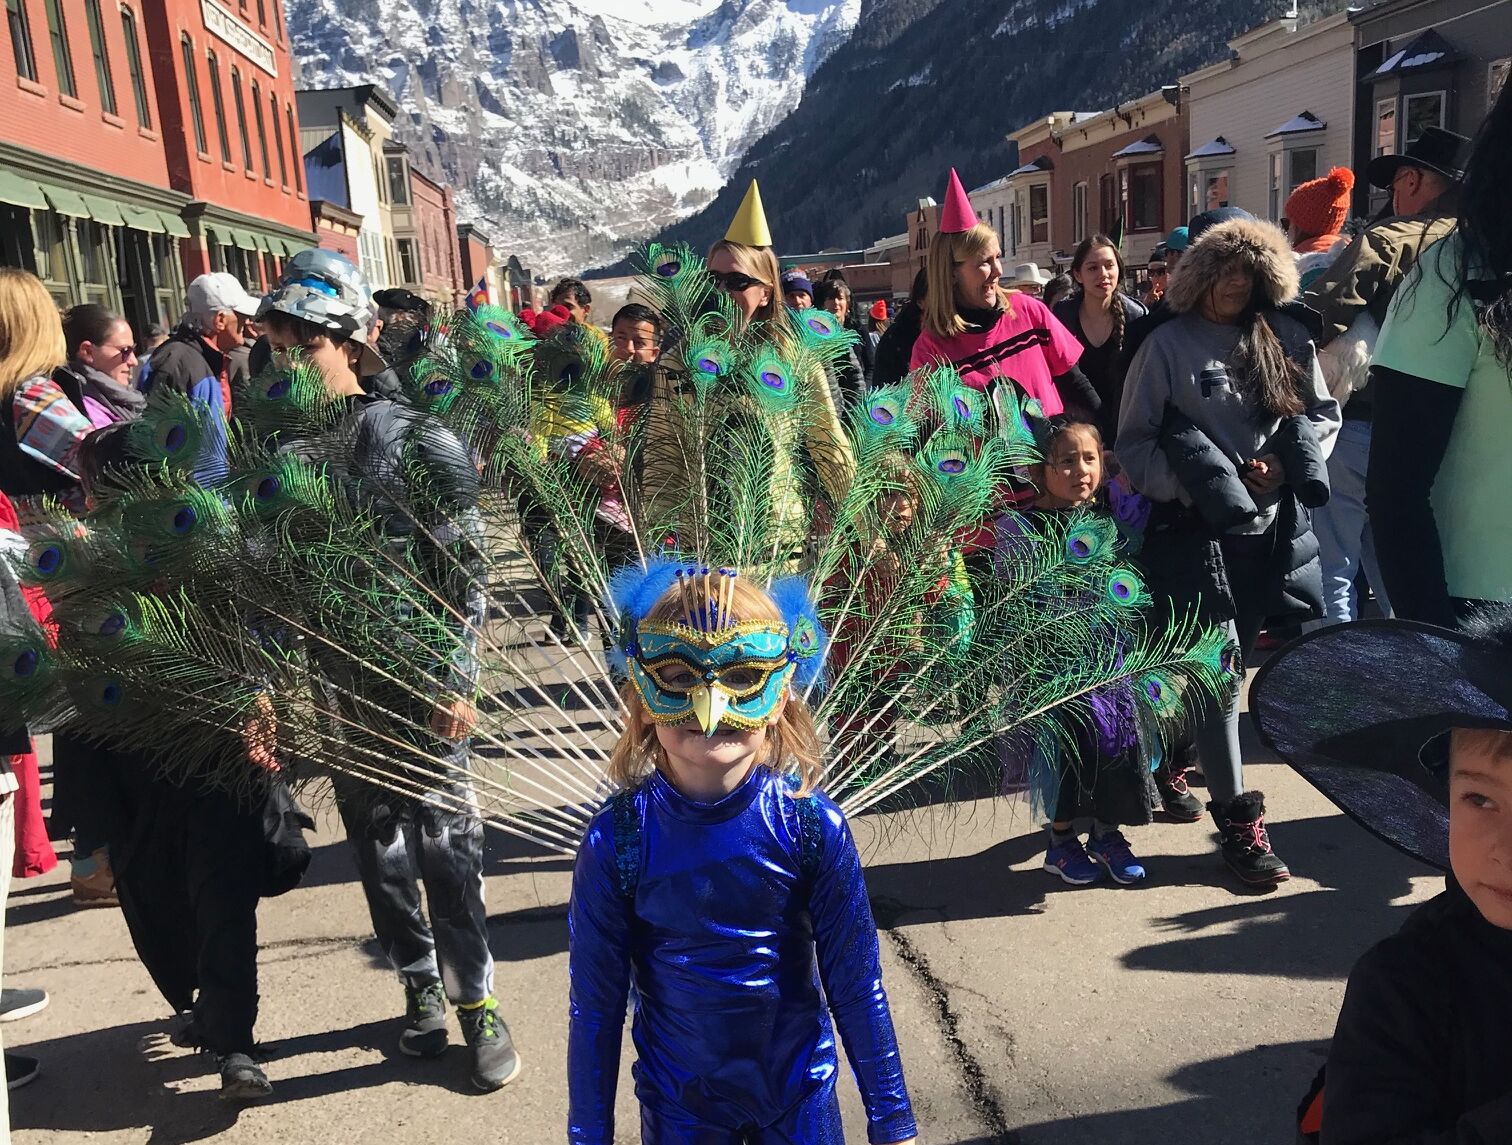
(1290, 422)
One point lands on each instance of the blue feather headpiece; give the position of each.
(636, 588)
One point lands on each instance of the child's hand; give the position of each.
(1264, 474)
(260, 734)
(454, 718)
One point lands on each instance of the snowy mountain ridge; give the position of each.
(573, 129)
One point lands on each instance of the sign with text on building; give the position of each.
(221, 23)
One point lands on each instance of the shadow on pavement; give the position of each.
(1249, 1096)
(1315, 934)
(74, 1095)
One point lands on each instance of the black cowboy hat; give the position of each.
(1362, 711)
(1434, 150)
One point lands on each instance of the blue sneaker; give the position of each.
(1112, 852)
(1069, 861)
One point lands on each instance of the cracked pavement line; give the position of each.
(973, 1078)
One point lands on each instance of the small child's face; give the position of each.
(1480, 820)
(634, 342)
(897, 510)
(1073, 471)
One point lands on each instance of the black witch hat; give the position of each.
(1363, 712)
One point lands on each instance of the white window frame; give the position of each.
(1279, 184)
(1407, 101)
(1496, 78)
(1382, 106)
(1198, 175)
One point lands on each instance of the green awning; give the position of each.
(264, 243)
(143, 219)
(66, 202)
(173, 225)
(19, 192)
(283, 247)
(246, 240)
(103, 211)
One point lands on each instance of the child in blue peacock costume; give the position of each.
(724, 891)
(340, 599)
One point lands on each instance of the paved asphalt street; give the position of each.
(1028, 1012)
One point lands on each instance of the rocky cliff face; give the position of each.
(576, 128)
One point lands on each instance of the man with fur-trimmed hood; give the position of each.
(1225, 425)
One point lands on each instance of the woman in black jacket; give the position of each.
(895, 347)
(1099, 314)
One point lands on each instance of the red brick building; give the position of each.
(115, 186)
(337, 228)
(425, 232)
(1080, 174)
(231, 133)
(86, 200)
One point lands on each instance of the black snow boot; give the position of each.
(1246, 844)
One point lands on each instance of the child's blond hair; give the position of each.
(792, 742)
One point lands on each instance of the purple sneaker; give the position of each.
(1069, 860)
(1112, 852)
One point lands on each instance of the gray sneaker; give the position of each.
(495, 1063)
(242, 1079)
(21, 1002)
(424, 1021)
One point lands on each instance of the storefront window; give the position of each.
(94, 262)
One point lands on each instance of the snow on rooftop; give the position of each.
(1149, 145)
(1219, 146)
(1298, 124)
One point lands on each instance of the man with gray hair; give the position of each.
(193, 361)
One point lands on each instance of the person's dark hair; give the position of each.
(402, 338)
(300, 329)
(1059, 286)
(88, 322)
(829, 289)
(1483, 266)
(1061, 424)
(920, 288)
(637, 312)
(1266, 373)
(574, 288)
(834, 274)
(1083, 250)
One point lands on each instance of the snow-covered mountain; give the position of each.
(576, 128)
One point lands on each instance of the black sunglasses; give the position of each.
(733, 281)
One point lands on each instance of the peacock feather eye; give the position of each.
(268, 488)
(480, 369)
(820, 322)
(668, 268)
(181, 519)
(1160, 693)
(951, 462)
(47, 558)
(805, 639)
(1087, 543)
(278, 388)
(500, 329)
(570, 374)
(24, 666)
(108, 693)
(1124, 587)
(437, 385)
(113, 624)
(883, 412)
(172, 438)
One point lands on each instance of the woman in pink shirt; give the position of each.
(988, 333)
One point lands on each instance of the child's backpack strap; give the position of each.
(627, 850)
(810, 831)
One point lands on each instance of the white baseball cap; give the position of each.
(209, 294)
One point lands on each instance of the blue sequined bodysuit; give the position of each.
(715, 913)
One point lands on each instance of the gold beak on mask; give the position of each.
(709, 704)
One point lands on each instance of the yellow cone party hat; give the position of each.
(749, 226)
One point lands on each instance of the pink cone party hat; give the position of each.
(957, 216)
